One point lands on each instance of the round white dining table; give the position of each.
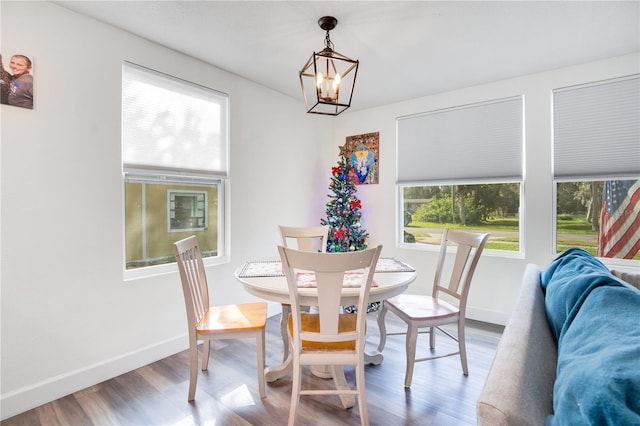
(275, 289)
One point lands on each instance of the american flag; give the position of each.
(619, 234)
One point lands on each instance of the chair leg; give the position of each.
(295, 392)
(206, 351)
(462, 347)
(260, 353)
(340, 383)
(412, 338)
(284, 319)
(193, 369)
(362, 395)
(382, 328)
(432, 337)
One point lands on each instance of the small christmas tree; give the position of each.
(343, 211)
(343, 217)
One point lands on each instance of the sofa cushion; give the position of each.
(595, 318)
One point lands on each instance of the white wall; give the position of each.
(497, 279)
(69, 319)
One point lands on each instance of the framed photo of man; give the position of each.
(16, 81)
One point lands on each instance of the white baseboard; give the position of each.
(28, 397)
(485, 315)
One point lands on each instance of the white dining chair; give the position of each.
(304, 238)
(206, 323)
(328, 337)
(422, 311)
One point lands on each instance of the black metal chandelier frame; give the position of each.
(330, 76)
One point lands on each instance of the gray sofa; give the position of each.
(519, 387)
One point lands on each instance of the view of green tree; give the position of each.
(489, 207)
(464, 204)
(584, 198)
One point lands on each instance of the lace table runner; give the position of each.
(273, 268)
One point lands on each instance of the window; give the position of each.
(602, 217)
(174, 157)
(187, 211)
(597, 167)
(462, 168)
(492, 207)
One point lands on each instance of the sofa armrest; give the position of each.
(519, 387)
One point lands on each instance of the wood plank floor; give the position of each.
(227, 394)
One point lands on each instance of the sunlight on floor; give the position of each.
(239, 397)
(190, 421)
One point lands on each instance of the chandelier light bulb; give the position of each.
(336, 85)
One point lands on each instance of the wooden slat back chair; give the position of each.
(329, 337)
(421, 311)
(304, 238)
(207, 322)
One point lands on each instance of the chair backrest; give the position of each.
(468, 248)
(194, 279)
(329, 271)
(306, 238)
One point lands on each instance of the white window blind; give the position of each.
(168, 123)
(596, 129)
(478, 141)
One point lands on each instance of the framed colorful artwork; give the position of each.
(362, 152)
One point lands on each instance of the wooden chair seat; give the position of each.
(231, 318)
(422, 308)
(311, 323)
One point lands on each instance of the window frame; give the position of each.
(564, 170)
(492, 109)
(170, 210)
(608, 261)
(183, 176)
(223, 216)
(519, 254)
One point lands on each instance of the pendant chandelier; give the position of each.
(328, 77)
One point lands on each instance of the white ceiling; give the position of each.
(406, 49)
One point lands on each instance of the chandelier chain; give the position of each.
(327, 41)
